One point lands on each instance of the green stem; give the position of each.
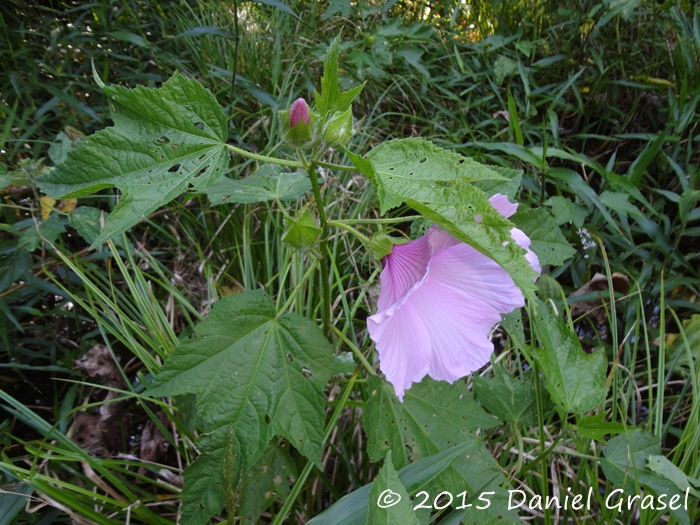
(355, 350)
(294, 494)
(264, 158)
(352, 230)
(391, 220)
(323, 245)
(340, 167)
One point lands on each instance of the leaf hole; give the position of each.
(163, 140)
(202, 156)
(391, 169)
(421, 161)
(174, 168)
(460, 162)
(478, 218)
(290, 358)
(199, 125)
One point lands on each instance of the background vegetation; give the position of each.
(597, 101)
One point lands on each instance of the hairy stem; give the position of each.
(323, 245)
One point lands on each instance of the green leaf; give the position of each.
(417, 164)
(565, 211)
(508, 186)
(506, 397)
(302, 232)
(246, 364)
(255, 374)
(363, 165)
(502, 68)
(269, 182)
(595, 427)
(279, 5)
(342, 7)
(436, 183)
(639, 166)
(382, 244)
(48, 231)
(665, 468)
(432, 418)
(338, 130)
(207, 30)
(549, 288)
(620, 203)
(513, 324)
(87, 221)
(575, 380)
(163, 140)
(624, 464)
(353, 508)
(270, 479)
(13, 499)
(330, 100)
(389, 503)
(59, 148)
(687, 203)
(343, 364)
(14, 267)
(548, 243)
(203, 491)
(5, 177)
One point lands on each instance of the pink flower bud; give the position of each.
(298, 112)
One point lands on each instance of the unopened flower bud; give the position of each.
(298, 112)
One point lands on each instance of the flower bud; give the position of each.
(298, 112)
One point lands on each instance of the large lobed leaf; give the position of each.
(163, 140)
(433, 417)
(443, 187)
(255, 374)
(575, 380)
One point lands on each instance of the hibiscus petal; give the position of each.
(524, 242)
(403, 267)
(503, 205)
(459, 329)
(440, 240)
(403, 343)
(480, 279)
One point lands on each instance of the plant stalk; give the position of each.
(323, 245)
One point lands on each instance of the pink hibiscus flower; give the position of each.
(439, 300)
